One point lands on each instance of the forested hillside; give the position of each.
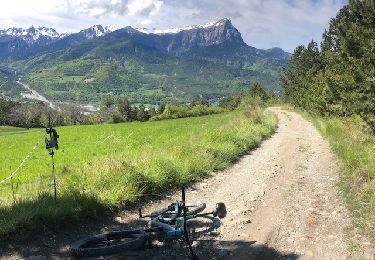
(339, 78)
(8, 86)
(210, 62)
(143, 75)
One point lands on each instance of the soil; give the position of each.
(282, 203)
(35, 95)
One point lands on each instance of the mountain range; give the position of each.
(23, 42)
(150, 66)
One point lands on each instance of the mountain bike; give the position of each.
(170, 221)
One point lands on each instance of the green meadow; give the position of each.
(10, 129)
(101, 167)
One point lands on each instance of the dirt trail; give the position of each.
(281, 199)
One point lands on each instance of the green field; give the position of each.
(101, 166)
(10, 129)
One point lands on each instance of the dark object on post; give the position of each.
(51, 144)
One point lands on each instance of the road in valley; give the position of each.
(35, 95)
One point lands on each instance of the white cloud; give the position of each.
(146, 22)
(99, 8)
(97, 11)
(144, 7)
(96, 8)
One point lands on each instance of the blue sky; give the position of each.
(262, 23)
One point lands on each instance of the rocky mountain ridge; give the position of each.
(210, 34)
(218, 38)
(25, 41)
(30, 34)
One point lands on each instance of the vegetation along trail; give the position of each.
(281, 199)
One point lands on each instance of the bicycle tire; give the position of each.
(98, 245)
(193, 208)
(158, 212)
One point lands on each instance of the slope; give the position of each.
(150, 68)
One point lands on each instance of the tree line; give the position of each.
(339, 77)
(256, 95)
(29, 115)
(34, 115)
(119, 109)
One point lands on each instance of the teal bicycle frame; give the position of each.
(174, 231)
(172, 220)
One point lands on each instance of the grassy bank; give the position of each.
(105, 166)
(354, 143)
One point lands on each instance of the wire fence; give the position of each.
(17, 190)
(19, 186)
(27, 157)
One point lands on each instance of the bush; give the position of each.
(181, 111)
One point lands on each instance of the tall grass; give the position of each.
(106, 166)
(354, 143)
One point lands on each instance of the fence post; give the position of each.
(54, 176)
(14, 196)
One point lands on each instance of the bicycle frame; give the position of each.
(171, 221)
(174, 225)
(176, 230)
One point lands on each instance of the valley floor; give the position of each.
(282, 203)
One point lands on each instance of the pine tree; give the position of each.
(339, 79)
(124, 108)
(142, 114)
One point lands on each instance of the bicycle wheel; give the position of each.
(195, 207)
(159, 212)
(110, 243)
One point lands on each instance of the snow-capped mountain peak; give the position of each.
(30, 34)
(35, 32)
(97, 31)
(177, 30)
(48, 32)
(110, 28)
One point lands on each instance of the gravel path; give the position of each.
(281, 199)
